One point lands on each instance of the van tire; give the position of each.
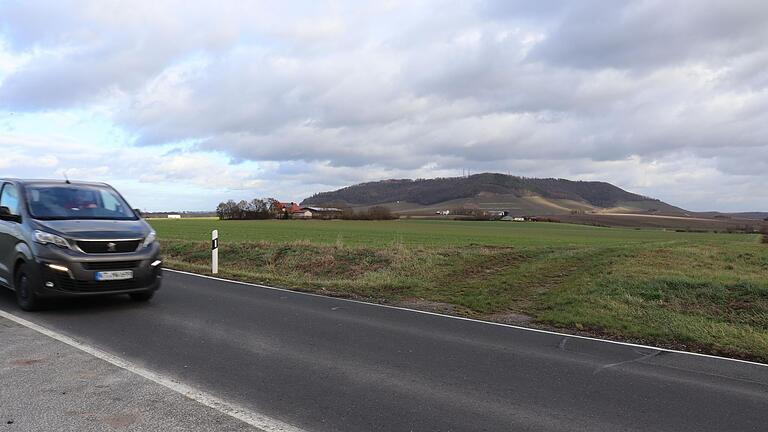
(24, 284)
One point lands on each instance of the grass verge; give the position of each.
(695, 294)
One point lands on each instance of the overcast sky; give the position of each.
(182, 104)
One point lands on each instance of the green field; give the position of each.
(423, 233)
(694, 291)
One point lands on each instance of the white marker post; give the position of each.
(215, 251)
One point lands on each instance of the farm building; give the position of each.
(515, 219)
(301, 214)
(174, 216)
(323, 212)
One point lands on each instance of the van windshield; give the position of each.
(70, 201)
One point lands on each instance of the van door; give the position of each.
(9, 232)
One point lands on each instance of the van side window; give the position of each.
(10, 198)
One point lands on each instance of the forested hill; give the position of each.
(432, 191)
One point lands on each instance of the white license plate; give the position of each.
(114, 275)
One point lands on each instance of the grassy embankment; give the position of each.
(692, 291)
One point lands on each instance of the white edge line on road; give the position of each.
(257, 420)
(474, 320)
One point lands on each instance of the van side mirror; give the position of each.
(6, 215)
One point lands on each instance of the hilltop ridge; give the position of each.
(515, 194)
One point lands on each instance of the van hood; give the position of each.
(96, 229)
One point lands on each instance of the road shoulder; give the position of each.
(48, 385)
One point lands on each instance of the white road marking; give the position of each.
(634, 360)
(255, 419)
(475, 320)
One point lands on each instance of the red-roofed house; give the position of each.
(286, 207)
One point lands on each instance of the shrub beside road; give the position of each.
(691, 291)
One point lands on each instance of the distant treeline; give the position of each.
(373, 213)
(270, 208)
(259, 208)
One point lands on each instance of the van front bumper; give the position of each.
(65, 273)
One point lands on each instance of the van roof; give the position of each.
(52, 182)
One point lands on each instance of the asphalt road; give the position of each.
(325, 364)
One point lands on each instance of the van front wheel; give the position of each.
(24, 283)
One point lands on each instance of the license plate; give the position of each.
(114, 275)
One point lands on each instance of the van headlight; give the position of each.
(149, 239)
(43, 237)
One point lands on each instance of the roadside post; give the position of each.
(215, 251)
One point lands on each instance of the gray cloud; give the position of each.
(347, 92)
(651, 33)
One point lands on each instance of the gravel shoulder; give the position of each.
(50, 386)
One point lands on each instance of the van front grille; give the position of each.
(107, 246)
(110, 265)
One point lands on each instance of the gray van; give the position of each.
(62, 238)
